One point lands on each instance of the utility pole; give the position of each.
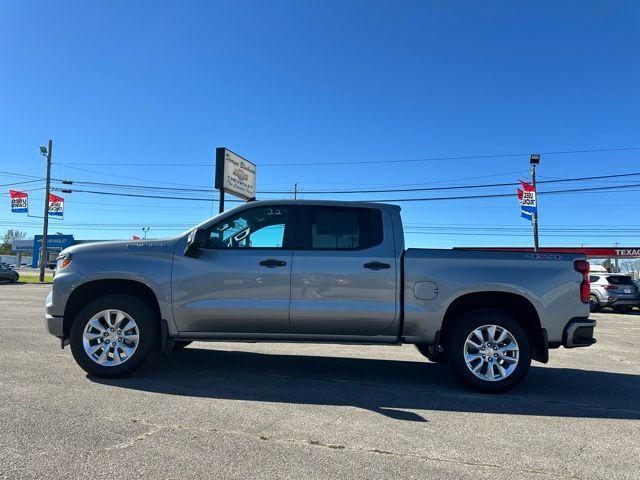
(45, 226)
(534, 160)
(295, 191)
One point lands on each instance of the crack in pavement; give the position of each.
(335, 447)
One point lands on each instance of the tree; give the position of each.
(10, 236)
(630, 266)
(607, 264)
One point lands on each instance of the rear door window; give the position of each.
(594, 278)
(341, 228)
(620, 280)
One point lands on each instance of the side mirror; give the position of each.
(196, 240)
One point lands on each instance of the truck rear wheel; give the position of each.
(114, 335)
(594, 304)
(489, 351)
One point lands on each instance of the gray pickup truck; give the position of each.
(318, 271)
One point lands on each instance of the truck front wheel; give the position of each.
(489, 351)
(431, 353)
(114, 335)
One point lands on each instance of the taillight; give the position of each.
(582, 266)
(609, 287)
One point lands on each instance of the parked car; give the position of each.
(324, 272)
(613, 290)
(8, 274)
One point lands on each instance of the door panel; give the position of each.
(332, 292)
(229, 291)
(241, 282)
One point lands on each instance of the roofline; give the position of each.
(350, 203)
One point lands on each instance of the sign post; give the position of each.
(534, 160)
(45, 224)
(529, 202)
(235, 175)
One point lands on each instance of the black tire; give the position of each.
(15, 278)
(424, 349)
(594, 305)
(456, 340)
(180, 344)
(148, 341)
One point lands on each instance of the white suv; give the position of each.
(613, 290)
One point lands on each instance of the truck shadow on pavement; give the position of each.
(390, 387)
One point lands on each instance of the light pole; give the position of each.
(46, 152)
(145, 230)
(534, 160)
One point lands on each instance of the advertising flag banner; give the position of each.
(56, 205)
(527, 198)
(19, 202)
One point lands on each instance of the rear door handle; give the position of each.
(272, 263)
(376, 265)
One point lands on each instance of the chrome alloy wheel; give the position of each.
(491, 353)
(110, 338)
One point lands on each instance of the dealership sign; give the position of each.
(234, 174)
(19, 202)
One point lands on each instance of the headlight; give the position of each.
(63, 262)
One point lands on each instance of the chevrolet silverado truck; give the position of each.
(318, 271)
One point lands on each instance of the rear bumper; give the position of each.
(579, 333)
(623, 302)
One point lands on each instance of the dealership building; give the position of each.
(33, 248)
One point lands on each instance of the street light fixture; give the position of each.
(43, 150)
(534, 159)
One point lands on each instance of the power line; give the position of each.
(390, 190)
(125, 177)
(18, 183)
(137, 195)
(363, 162)
(388, 200)
(20, 175)
(504, 195)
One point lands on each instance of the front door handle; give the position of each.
(273, 263)
(376, 265)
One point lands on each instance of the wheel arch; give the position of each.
(89, 291)
(517, 306)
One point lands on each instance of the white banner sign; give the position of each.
(235, 175)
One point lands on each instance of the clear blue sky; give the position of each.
(288, 81)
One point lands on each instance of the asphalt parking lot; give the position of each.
(225, 410)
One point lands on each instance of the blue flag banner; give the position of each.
(527, 212)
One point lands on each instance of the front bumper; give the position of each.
(579, 333)
(52, 323)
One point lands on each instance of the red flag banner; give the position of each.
(19, 201)
(56, 205)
